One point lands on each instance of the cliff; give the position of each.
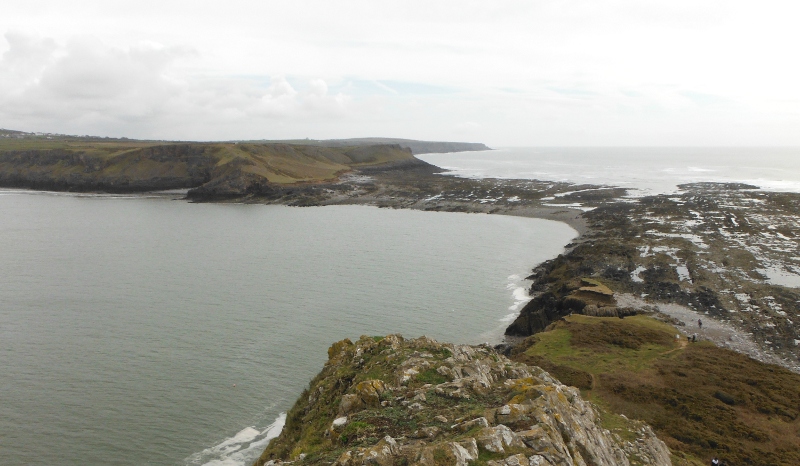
(416, 147)
(209, 171)
(390, 401)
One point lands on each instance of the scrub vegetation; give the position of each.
(208, 170)
(702, 400)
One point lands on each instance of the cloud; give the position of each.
(548, 72)
(85, 87)
(41, 80)
(468, 127)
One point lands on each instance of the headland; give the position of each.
(700, 263)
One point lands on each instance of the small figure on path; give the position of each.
(700, 324)
(715, 461)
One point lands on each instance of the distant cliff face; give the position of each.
(390, 401)
(210, 171)
(416, 147)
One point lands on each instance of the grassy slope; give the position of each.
(86, 164)
(701, 400)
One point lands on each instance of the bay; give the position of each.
(139, 330)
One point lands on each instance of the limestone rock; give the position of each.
(496, 439)
(529, 418)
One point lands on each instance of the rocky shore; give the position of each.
(704, 260)
(711, 252)
(717, 261)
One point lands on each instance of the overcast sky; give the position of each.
(628, 72)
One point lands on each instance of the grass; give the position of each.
(77, 164)
(431, 376)
(701, 400)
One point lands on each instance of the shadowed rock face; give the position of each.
(390, 401)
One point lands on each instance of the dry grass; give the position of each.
(701, 400)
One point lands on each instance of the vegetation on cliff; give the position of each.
(702, 400)
(390, 401)
(416, 147)
(209, 170)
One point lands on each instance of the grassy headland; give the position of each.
(702, 400)
(208, 170)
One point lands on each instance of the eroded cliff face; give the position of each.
(390, 401)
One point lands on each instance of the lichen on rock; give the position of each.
(391, 401)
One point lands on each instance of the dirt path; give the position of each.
(719, 332)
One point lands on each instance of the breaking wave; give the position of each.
(241, 449)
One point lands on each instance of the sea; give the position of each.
(146, 330)
(642, 170)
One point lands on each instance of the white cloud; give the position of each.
(86, 87)
(590, 71)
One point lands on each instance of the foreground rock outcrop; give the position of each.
(390, 401)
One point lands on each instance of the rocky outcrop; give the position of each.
(390, 401)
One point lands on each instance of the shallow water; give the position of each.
(126, 321)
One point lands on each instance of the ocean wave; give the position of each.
(241, 449)
(519, 293)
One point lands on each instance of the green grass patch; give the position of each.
(431, 376)
(703, 401)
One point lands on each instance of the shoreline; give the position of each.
(687, 249)
(694, 249)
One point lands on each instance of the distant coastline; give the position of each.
(616, 242)
(704, 253)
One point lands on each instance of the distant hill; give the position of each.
(416, 147)
(208, 170)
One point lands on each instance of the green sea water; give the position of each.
(126, 321)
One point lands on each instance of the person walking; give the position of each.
(700, 325)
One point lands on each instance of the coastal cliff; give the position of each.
(391, 401)
(209, 171)
(416, 147)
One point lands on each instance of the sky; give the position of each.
(506, 73)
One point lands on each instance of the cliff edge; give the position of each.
(390, 401)
(210, 171)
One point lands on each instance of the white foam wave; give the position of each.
(508, 318)
(520, 296)
(241, 449)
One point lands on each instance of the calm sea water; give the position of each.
(126, 321)
(648, 170)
